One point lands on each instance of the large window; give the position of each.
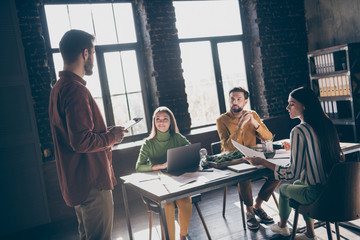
(210, 34)
(116, 83)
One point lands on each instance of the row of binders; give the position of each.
(334, 86)
(324, 63)
(330, 108)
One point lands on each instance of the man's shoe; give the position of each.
(263, 215)
(282, 231)
(303, 236)
(251, 221)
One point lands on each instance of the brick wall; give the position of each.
(37, 66)
(161, 45)
(277, 46)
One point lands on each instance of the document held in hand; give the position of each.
(281, 158)
(131, 123)
(248, 152)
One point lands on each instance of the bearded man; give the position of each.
(82, 141)
(244, 127)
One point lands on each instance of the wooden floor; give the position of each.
(228, 228)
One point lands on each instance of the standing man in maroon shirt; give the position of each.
(82, 142)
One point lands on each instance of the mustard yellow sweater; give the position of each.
(227, 129)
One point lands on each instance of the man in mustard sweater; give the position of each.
(244, 127)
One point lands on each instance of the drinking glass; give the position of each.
(203, 154)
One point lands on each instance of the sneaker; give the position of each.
(303, 236)
(282, 231)
(251, 221)
(263, 215)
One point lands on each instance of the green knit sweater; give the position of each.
(153, 151)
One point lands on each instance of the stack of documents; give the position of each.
(282, 157)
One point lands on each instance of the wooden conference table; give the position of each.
(162, 188)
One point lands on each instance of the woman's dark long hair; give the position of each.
(324, 128)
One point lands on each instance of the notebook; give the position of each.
(241, 167)
(184, 158)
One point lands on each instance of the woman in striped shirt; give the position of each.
(315, 149)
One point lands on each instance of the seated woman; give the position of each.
(315, 149)
(164, 135)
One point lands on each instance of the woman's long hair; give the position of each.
(324, 128)
(173, 125)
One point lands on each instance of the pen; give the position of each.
(206, 170)
(166, 188)
(194, 180)
(150, 179)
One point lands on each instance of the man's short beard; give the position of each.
(88, 67)
(236, 110)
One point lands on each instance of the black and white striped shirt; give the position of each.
(305, 158)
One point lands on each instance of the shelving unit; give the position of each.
(335, 78)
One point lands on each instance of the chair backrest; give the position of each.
(340, 198)
(215, 148)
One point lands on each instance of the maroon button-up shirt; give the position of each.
(82, 143)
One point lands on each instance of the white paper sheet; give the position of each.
(282, 157)
(131, 123)
(248, 152)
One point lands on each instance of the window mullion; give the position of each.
(218, 78)
(109, 114)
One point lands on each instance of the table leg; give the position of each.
(127, 211)
(242, 207)
(163, 218)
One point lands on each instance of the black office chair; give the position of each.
(215, 149)
(152, 207)
(338, 202)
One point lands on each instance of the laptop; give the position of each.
(183, 159)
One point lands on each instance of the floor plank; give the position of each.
(228, 228)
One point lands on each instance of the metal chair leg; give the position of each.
(202, 220)
(328, 229)
(275, 200)
(337, 229)
(296, 217)
(224, 201)
(150, 224)
(162, 228)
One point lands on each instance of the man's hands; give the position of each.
(118, 133)
(245, 117)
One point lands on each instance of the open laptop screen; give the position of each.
(182, 158)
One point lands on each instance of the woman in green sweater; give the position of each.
(165, 135)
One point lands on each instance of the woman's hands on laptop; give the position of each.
(159, 166)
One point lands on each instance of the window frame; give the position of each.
(108, 107)
(99, 51)
(214, 41)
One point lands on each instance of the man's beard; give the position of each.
(239, 109)
(88, 67)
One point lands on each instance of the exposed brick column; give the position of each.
(38, 70)
(276, 37)
(161, 46)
